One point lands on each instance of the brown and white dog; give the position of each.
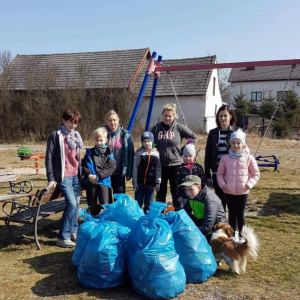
(234, 253)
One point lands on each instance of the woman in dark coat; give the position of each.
(217, 145)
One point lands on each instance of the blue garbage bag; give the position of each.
(194, 252)
(125, 210)
(153, 263)
(103, 264)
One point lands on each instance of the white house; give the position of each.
(264, 82)
(197, 91)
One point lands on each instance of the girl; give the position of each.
(97, 167)
(237, 174)
(62, 165)
(122, 146)
(188, 167)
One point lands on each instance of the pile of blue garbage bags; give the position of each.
(161, 253)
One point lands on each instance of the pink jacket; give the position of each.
(236, 176)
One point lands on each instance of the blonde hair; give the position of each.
(171, 107)
(100, 131)
(111, 112)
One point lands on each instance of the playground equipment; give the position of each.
(270, 163)
(25, 153)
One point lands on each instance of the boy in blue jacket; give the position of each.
(98, 165)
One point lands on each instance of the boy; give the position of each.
(97, 167)
(146, 174)
(202, 205)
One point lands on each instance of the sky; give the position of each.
(233, 30)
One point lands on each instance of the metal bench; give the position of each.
(17, 189)
(46, 202)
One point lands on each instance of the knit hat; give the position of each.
(190, 149)
(147, 135)
(239, 134)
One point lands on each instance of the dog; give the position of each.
(235, 254)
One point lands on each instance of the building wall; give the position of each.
(268, 88)
(213, 102)
(193, 108)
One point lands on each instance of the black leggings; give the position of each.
(168, 173)
(236, 208)
(97, 191)
(219, 192)
(118, 184)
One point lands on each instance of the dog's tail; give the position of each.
(252, 243)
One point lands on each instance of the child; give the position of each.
(146, 175)
(189, 167)
(62, 165)
(98, 165)
(237, 174)
(202, 205)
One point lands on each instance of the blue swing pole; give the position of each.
(151, 104)
(150, 70)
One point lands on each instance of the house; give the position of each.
(258, 83)
(197, 91)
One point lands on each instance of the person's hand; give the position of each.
(51, 183)
(157, 187)
(135, 187)
(128, 178)
(208, 182)
(93, 179)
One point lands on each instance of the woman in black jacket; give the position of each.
(217, 145)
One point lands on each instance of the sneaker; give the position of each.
(73, 237)
(242, 240)
(235, 239)
(65, 243)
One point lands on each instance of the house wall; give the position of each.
(213, 102)
(268, 88)
(193, 108)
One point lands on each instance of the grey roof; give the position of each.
(270, 73)
(89, 69)
(194, 82)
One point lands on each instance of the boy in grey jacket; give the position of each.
(146, 174)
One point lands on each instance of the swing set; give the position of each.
(155, 68)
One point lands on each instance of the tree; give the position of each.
(241, 108)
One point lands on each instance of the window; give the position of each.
(214, 86)
(256, 96)
(283, 95)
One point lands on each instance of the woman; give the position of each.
(62, 165)
(218, 145)
(121, 143)
(168, 135)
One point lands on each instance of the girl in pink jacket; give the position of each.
(237, 174)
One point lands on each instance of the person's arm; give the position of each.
(109, 168)
(207, 161)
(221, 174)
(49, 160)
(130, 158)
(137, 161)
(254, 173)
(211, 209)
(158, 171)
(187, 133)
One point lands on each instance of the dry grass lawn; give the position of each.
(273, 210)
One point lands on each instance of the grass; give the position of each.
(273, 211)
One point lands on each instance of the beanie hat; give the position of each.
(147, 135)
(190, 149)
(239, 134)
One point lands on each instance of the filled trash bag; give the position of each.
(153, 263)
(103, 264)
(194, 252)
(124, 210)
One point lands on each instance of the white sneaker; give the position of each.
(65, 243)
(242, 240)
(235, 239)
(74, 237)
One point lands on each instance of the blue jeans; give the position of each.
(70, 189)
(144, 194)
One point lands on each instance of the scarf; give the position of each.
(73, 138)
(190, 167)
(234, 154)
(113, 133)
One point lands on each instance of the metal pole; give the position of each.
(151, 104)
(150, 70)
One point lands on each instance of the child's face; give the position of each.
(71, 125)
(147, 144)
(100, 140)
(236, 145)
(188, 158)
(192, 191)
